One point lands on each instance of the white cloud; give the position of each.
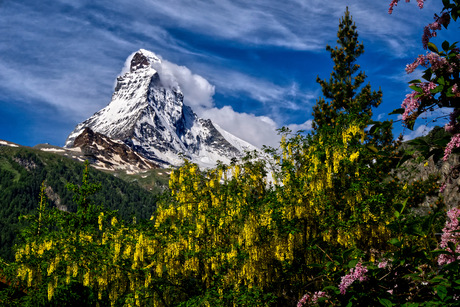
(420, 131)
(257, 130)
(197, 90)
(306, 126)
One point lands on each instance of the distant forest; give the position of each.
(22, 171)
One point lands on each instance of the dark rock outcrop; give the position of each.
(98, 148)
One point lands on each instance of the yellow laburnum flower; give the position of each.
(100, 220)
(354, 156)
(50, 290)
(86, 278)
(74, 269)
(29, 277)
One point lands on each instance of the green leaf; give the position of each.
(441, 291)
(410, 124)
(385, 302)
(374, 128)
(415, 81)
(451, 246)
(352, 263)
(372, 148)
(397, 111)
(433, 47)
(445, 46)
(441, 80)
(395, 242)
(438, 252)
(416, 88)
(455, 14)
(427, 75)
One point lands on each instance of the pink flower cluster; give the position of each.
(452, 126)
(412, 100)
(437, 62)
(410, 104)
(442, 188)
(455, 90)
(448, 235)
(454, 143)
(307, 300)
(356, 273)
(383, 264)
(430, 30)
(395, 3)
(427, 87)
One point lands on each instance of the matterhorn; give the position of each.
(149, 116)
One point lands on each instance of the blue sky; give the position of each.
(259, 59)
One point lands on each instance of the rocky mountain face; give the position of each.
(105, 153)
(427, 160)
(151, 119)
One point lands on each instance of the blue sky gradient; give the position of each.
(59, 59)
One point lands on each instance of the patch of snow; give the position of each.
(8, 144)
(52, 149)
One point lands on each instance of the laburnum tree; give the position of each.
(348, 156)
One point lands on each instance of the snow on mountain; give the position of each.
(148, 114)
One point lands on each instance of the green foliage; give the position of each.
(22, 171)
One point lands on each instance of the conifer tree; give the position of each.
(344, 91)
(345, 81)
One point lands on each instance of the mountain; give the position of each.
(148, 114)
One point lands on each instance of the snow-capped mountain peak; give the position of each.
(147, 113)
(143, 59)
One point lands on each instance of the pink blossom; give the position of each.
(395, 3)
(383, 264)
(418, 61)
(318, 295)
(455, 90)
(448, 235)
(437, 62)
(410, 104)
(449, 128)
(452, 126)
(306, 299)
(442, 188)
(303, 300)
(427, 87)
(454, 143)
(356, 273)
(430, 29)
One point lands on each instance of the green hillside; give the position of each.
(22, 171)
